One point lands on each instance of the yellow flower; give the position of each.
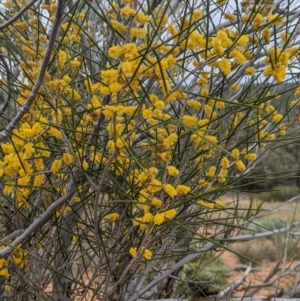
(270, 109)
(257, 21)
(133, 252)
(115, 51)
(194, 104)
(270, 137)
(170, 141)
(127, 12)
(159, 105)
(277, 118)
(55, 133)
(197, 15)
(209, 111)
(221, 179)
(156, 202)
(4, 271)
(297, 92)
(218, 47)
(249, 71)
(243, 40)
(159, 218)
(62, 58)
(7, 148)
(75, 64)
(266, 34)
(147, 218)
(115, 87)
(147, 254)
(170, 213)
(225, 163)
(206, 205)
(38, 180)
(68, 158)
(220, 203)
(127, 68)
(56, 165)
(276, 20)
(203, 123)
(195, 41)
(250, 156)
(222, 34)
(229, 17)
(240, 165)
(183, 189)
(284, 37)
(142, 19)
(147, 114)
(28, 149)
(153, 171)
(189, 121)
(225, 66)
(74, 238)
(8, 188)
(172, 170)
(113, 217)
(235, 153)
(85, 165)
(203, 183)
(21, 26)
(23, 181)
(137, 32)
(39, 164)
(204, 92)
(81, 16)
(170, 190)
(238, 55)
(223, 173)
(282, 129)
(110, 76)
(154, 186)
(118, 26)
(212, 171)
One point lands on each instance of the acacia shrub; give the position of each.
(123, 124)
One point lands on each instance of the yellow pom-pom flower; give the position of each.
(147, 254)
(113, 217)
(133, 252)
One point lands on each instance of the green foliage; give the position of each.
(261, 249)
(281, 166)
(278, 193)
(265, 224)
(206, 267)
(282, 245)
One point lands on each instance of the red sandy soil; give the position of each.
(257, 277)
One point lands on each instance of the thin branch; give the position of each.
(265, 282)
(263, 234)
(8, 80)
(229, 289)
(11, 236)
(243, 267)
